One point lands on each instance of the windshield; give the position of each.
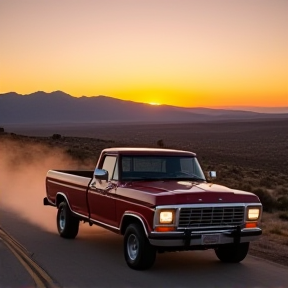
(160, 168)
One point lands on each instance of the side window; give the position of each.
(109, 164)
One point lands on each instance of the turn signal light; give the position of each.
(164, 229)
(251, 225)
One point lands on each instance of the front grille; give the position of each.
(211, 217)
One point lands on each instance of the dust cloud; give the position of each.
(23, 168)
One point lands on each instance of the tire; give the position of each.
(67, 224)
(138, 252)
(232, 253)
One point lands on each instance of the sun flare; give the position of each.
(154, 103)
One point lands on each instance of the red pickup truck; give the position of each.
(160, 200)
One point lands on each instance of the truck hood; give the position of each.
(185, 192)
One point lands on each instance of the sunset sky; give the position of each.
(178, 52)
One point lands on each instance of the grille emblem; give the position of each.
(220, 199)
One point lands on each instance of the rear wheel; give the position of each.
(67, 224)
(139, 253)
(232, 253)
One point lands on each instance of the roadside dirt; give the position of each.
(267, 248)
(273, 244)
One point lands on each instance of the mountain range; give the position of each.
(58, 107)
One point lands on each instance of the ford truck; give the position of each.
(160, 200)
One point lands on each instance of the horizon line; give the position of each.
(158, 104)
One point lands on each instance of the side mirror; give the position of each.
(101, 174)
(212, 174)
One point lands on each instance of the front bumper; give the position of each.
(190, 238)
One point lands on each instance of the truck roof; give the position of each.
(147, 151)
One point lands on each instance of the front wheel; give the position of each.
(232, 253)
(139, 253)
(67, 224)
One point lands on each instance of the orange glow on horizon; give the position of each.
(212, 54)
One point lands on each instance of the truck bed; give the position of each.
(69, 183)
(82, 173)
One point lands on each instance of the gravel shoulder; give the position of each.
(268, 249)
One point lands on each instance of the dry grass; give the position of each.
(274, 227)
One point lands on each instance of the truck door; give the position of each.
(101, 194)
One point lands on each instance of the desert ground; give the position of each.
(247, 155)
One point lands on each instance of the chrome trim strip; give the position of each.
(101, 223)
(256, 229)
(227, 231)
(104, 224)
(136, 216)
(212, 231)
(208, 205)
(71, 178)
(78, 214)
(173, 233)
(133, 203)
(197, 242)
(170, 233)
(83, 216)
(62, 194)
(177, 209)
(68, 186)
(99, 193)
(198, 229)
(224, 238)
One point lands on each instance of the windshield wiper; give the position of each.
(140, 178)
(196, 179)
(165, 179)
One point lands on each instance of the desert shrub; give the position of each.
(276, 230)
(282, 191)
(76, 153)
(283, 216)
(266, 182)
(245, 186)
(283, 177)
(268, 202)
(56, 136)
(282, 203)
(2, 130)
(234, 170)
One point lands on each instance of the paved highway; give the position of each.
(95, 259)
(12, 273)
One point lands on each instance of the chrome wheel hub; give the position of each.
(132, 247)
(62, 219)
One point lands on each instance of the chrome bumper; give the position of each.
(190, 238)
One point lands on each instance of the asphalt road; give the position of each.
(95, 259)
(12, 273)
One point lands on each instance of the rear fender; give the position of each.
(60, 197)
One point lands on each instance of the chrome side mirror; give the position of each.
(212, 174)
(101, 174)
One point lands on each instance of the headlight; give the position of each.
(166, 217)
(253, 213)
